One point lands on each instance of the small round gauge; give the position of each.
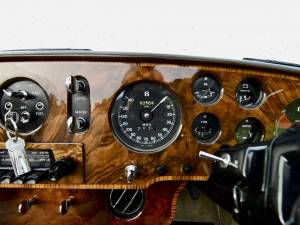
(290, 117)
(206, 128)
(250, 130)
(207, 90)
(146, 117)
(249, 93)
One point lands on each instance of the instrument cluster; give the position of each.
(249, 95)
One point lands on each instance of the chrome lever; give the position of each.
(224, 160)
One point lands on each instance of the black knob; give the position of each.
(161, 170)
(187, 169)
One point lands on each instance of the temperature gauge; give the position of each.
(206, 128)
(207, 90)
(249, 93)
(250, 130)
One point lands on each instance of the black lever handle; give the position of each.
(61, 168)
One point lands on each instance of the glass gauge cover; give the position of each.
(146, 117)
(290, 117)
(206, 128)
(206, 90)
(250, 130)
(249, 93)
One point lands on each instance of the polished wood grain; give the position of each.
(105, 157)
(75, 150)
(89, 206)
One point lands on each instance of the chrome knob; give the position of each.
(224, 160)
(130, 173)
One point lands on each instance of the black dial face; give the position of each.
(207, 90)
(249, 93)
(146, 117)
(206, 128)
(250, 130)
(26, 103)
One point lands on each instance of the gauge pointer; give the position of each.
(161, 101)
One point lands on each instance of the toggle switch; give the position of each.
(65, 205)
(26, 205)
(130, 173)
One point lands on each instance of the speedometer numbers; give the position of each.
(146, 117)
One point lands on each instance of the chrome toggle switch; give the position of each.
(26, 205)
(130, 173)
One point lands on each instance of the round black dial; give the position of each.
(249, 93)
(250, 130)
(146, 117)
(206, 128)
(26, 102)
(206, 90)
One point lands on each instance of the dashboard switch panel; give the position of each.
(26, 102)
(78, 104)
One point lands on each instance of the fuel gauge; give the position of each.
(206, 128)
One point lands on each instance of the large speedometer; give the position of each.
(146, 116)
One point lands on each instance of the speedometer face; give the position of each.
(146, 117)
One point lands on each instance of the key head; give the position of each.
(15, 145)
(18, 157)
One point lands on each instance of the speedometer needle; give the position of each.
(161, 101)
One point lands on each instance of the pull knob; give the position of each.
(130, 173)
(74, 84)
(224, 160)
(26, 205)
(65, 205)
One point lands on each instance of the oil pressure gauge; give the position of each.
(206, 128)
(207, 90)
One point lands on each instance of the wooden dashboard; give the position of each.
(101, 158)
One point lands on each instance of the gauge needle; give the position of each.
(161, 101)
